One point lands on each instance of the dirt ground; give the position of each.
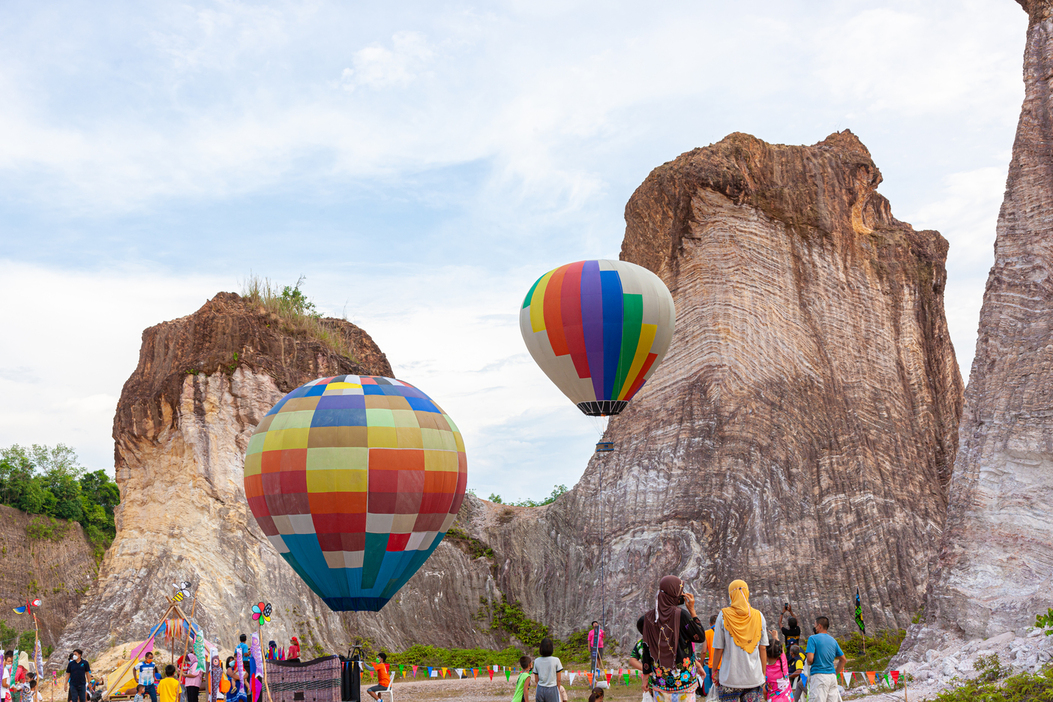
(483, 690)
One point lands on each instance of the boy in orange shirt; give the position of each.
(383, 676)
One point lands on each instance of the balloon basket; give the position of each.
(604, 446)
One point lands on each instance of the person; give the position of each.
(5, 690)
(77, 676)
(140, 693)
(708, 667)
(739, 654)
(669, 631)
(293, 654)
(596, 645)
(148, 676)
(777, 673)
(191, 677)
(795, 664)
(640, 658)
(563, 696)
(597, 695)
(826, 661)
(548, 673)
(523, 681)
(168, 689)
(792, 632)
(383, 675)
(242, 649)
(235, 691)
(34, 692)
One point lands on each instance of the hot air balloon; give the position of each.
(598, 329)
(355, 480)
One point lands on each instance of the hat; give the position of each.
(296, 641)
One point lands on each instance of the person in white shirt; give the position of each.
(740, 637)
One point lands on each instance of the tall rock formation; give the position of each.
(183, 423)
(997, 559)
(800, 434)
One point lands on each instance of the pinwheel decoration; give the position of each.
(261, 612)
(28, 606)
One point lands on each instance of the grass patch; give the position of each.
(992, 685)
(296, 314)
(880, 649)
(469, 544)
(42, 527)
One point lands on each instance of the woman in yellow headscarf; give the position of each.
(739, 638)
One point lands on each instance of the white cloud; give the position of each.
(377, 66)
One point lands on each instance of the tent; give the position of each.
(122, 680)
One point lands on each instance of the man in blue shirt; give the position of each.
(827, 660)
(148, 676)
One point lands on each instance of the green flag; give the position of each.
(859, 614)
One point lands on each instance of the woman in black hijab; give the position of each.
(669, 631)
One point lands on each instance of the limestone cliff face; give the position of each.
(800, 434)
(996, 564)
(183, 423)
(58, 567)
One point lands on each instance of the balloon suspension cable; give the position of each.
(603, 449)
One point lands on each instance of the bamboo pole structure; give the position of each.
(186, 647)
(127, 665)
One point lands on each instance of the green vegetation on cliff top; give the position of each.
(50, 482)
(296, 313)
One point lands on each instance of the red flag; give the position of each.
(491, 675)
(608, 676)
(895, 677)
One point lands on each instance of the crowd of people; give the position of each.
(19, 682)
(737, 654)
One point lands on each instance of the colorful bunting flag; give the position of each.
(508, 675)
(414, 671)
(491, 671)
(607, 674)
(859, 614)
(847, 677)
(572, 676)
(895, 677)
(871, 675)
(625, 677)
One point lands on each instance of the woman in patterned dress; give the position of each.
(669, 631)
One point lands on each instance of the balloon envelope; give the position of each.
(355, 480)
(598, 329)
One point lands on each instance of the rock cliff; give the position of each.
(801, 432)
(997, 559)
(50, 560)
(182, 426)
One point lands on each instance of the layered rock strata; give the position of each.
(997, 560)
(183, 423)
(47, 559)
(801, 432)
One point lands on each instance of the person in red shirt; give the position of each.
(293, 654)
(383, 676)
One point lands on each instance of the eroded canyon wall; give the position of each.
(996, 567)
(801, 432)
(183, 423)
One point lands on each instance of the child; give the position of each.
(169, 688)
(148, 676)
(522, 693)
(548, 673)
(34, 694)
(777, 674)
(383, 676)
(796, 667)
(597, 695)
(140, 693)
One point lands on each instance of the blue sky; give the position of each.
(422, 163)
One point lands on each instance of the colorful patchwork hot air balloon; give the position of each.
(355, 480)
(598, 329)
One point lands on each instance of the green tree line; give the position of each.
(50, 481)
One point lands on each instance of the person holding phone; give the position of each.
(669, 630)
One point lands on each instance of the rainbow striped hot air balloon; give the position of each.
(598, 329)
(355, 480)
